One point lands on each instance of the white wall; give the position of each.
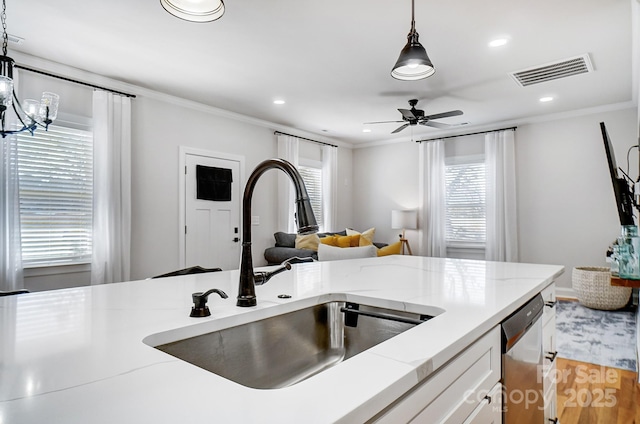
(160, 125)
(385, 178)
(159, 129)
(566, 207)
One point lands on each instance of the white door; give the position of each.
(212, 227)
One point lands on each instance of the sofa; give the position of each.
(285, 247)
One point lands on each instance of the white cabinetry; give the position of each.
(490, 409)
(467, 389)
(549, 351)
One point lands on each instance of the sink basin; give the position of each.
(285, 349)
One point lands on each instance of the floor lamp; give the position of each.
(404, 220)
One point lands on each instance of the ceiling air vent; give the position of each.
(552, 71)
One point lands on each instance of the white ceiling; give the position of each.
(331, 60)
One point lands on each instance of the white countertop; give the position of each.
(77, 355)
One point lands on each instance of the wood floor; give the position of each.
(595, 394)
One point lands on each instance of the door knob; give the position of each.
(236, 239)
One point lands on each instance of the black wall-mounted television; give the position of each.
(621, 189)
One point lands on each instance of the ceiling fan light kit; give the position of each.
(413, 62)
(195, 10)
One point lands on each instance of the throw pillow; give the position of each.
(309, 241)
(332, 253)
(366, 237)
(392, 249)
(285, 239)
(329, 240)
(348, 241)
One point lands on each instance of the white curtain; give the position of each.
(329, 187)
(11, 255)
(502, 238)
(112, 188)
(288, 150)
(432, 192)
(11, 276)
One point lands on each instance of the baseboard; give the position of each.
(566, 293)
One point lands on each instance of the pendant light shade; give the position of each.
(195, 10)
(413, 62)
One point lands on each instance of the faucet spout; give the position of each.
(306, 221)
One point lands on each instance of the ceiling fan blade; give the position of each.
(407, 114)
(436, 124)
(381, 122)
(400, 128)
(444, 114)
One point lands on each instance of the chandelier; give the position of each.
(31, 114)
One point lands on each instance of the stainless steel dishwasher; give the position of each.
(522, 361)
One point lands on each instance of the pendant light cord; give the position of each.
(5, 36)
(413, 19)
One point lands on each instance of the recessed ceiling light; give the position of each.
(366, 130)
(278, 102)
(498, 42)
(546, 99)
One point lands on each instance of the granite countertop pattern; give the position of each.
(78, 356)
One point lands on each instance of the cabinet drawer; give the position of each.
(454, 391)
(490, 409)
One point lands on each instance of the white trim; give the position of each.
(500, 124)
(566, 293)
(182, 163)
(39, 271)
(310, 163)
(464, 159)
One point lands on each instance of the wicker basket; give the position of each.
(594, 290)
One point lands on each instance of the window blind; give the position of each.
(465, 202)
(55, 170)
(312, 178)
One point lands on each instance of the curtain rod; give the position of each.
(302, 138)
(464, 135)
(74, 81)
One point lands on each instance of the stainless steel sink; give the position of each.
(285, 349)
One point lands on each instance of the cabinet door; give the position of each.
(549, 297)
(490, 409)
(454, 391)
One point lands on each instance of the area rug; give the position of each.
(598, 337)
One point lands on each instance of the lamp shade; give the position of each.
(413, 62)
(195, 10)
(404, 220)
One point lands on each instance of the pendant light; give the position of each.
(413, 62)
(195, 10)
(31, 113)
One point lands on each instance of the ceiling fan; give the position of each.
(415, 116)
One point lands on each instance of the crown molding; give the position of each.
(89, 77)
(508, 123)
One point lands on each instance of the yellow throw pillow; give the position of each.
(329, 240)
(366, 237)
(392, 249)
(348, 241)
(309, 241)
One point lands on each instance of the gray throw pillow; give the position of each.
(285, 239)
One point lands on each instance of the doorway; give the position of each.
(210, 209)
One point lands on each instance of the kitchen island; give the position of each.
(83, 355)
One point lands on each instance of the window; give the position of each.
(311, 174)
(465, 202)
(55, 169)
